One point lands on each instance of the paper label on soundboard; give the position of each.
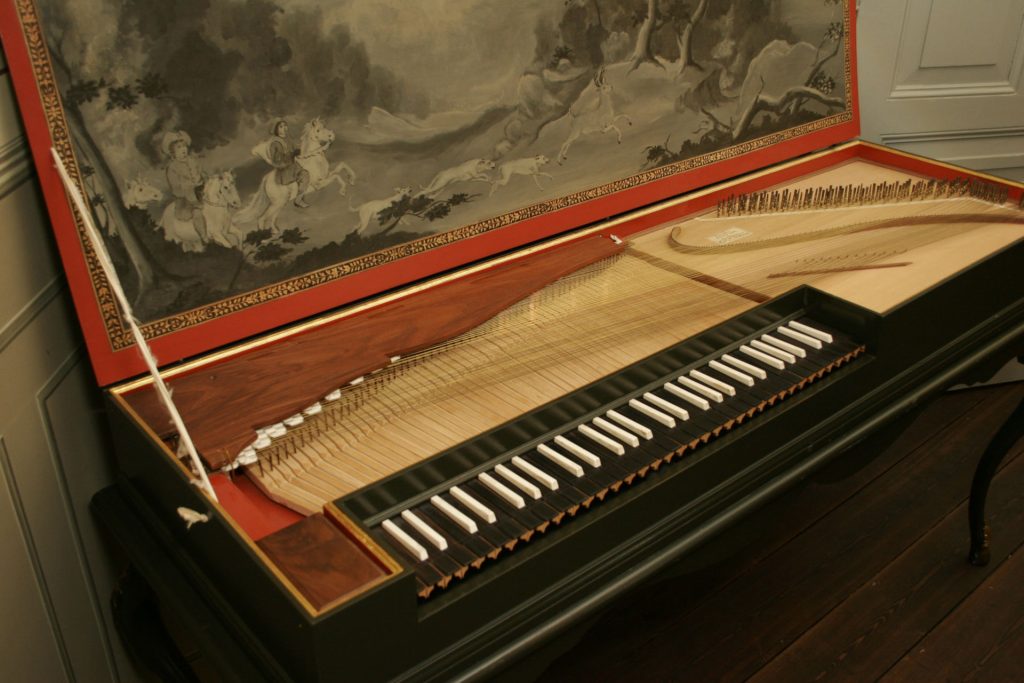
(730, 235)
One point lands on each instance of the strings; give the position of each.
(556, 341)
(584, 327)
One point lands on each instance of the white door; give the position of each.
(943, 78)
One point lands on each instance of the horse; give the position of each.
(138, 193)
(220, 199)
(271, 197)
(313, 144)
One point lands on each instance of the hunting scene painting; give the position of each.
(226, 145)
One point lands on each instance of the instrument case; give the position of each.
(425, 187)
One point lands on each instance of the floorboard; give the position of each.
(979, 641)
(886, 616)
(840, 579)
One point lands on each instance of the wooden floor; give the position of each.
(857, 575)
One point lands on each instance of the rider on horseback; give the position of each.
(184, 178)
(281, 154)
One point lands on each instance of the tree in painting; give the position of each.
(230, 144)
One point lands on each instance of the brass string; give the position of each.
(583, 327)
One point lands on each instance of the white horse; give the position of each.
(220, 200)
(138, 193)
(272, 197)
(313, 144)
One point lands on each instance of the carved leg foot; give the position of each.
(980, 555)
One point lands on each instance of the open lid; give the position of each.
(255, 163)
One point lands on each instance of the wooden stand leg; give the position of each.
(1011, 431)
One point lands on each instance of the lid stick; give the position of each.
(140, 341)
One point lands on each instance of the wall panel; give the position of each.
(53, 452)
(945, 79)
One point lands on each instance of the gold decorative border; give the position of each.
(120, 337)
(60, 137)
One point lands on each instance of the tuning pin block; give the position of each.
(838, 196)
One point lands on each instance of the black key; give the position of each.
(670, 440)
(440, 560)
(485, 529)
(507, 513)
(577, 489)
(556, 500)
(650, 450)
(636, 457)
(785, 376)
(474, 543)
(424, 570)
(455, 550)
(700, 421)
(508, 526)
(610, 464)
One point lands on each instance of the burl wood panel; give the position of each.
(321, 560)
(225, 402)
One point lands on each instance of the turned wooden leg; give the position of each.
(1011, 431)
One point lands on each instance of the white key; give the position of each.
(712, 382)
(520, 483)
(701, 389)
(730, 372)
(810, 331)
(454, 514)
(800, 337)
(600, 438)
(744, 366)
(692, 399)
(418, 551)
(769, 349)
(784, 345)
(428, 533)
(667, 406)
(631, 425)
(485, 513)
(538, 474)
(560, 460)
(650, 412)
(763, 357)
(247, 456)
(504, 492)
(618, 432)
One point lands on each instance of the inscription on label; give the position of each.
(730, 235)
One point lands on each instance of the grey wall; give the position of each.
(56, 575)
(941, 77)
(945, 79)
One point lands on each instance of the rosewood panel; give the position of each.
(223, 403)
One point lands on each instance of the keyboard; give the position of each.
(547, 468)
